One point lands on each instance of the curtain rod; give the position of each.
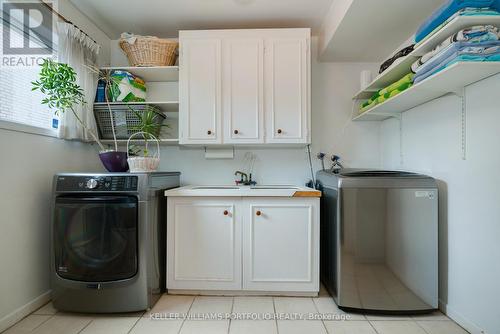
(66, 20)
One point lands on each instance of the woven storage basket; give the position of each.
(150, 51)
(124, 119)
(143, 164)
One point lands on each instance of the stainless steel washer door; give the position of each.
(95, 237)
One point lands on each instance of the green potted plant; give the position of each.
(149, 127)
(58, 82)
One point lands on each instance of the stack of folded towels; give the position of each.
(478, 43)
(452, 9)
(388, 92)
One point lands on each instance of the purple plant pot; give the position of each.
(114, 162)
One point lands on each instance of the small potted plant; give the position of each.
(141, 160)
(58, 82)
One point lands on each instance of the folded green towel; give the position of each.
(404, 80)
(376, 97)
(384, 94)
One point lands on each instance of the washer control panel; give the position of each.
(96, 183)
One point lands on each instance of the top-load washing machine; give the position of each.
(379, 240)
(108, 241)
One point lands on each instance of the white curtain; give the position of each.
(80, 52)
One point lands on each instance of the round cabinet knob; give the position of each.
(236, 132)
(280, 131)
(209, 132)
(258, 213)
(226, 212)
(92, 184)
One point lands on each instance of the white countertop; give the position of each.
(243, 191)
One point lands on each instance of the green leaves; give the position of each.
(58, 82)
(148, 122)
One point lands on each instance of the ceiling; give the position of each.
(165, 18)
(371, 29)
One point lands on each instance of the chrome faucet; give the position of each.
(245, 179)
(336, 165)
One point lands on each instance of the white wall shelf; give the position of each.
(401, 68)
(162, 91)
(451, 80)
(151, 74)
(165, 106)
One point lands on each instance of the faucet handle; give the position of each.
(336, 164)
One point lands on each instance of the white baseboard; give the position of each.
(23, 311)
(460, 319)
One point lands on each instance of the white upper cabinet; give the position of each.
(243, 90)
(200, 92)
(245, 86)
(287, 90)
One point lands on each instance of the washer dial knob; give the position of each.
(92, 184)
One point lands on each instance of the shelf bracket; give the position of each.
(397, 116)
(464, 125)
(463, 119)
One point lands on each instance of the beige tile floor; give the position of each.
(48, 320)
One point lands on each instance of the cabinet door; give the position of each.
(203, 244)
(200, 91)
(243, 91)
(287, 90)
(281, 245)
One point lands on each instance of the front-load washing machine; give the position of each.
(108, 241)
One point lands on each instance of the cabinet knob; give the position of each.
(226, 212)
(209, 132)
(236, 132)
(280, 131)
(258, 213)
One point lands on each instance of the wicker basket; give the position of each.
(143, 164)
(150, 51)
(124, 119)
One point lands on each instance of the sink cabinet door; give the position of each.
(203, 244)
(281, 244)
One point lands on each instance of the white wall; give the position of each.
(333, 85)
(27, 166)
(469, 195)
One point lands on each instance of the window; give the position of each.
(18, 104)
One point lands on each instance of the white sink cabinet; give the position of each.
(260, 245)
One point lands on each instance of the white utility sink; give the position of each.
(257, 187)
(242, 191)
(275, 187)
(214, 187)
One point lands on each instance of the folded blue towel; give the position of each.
(466, 54)
(447, 10)
(445, 64)
(451, 50)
